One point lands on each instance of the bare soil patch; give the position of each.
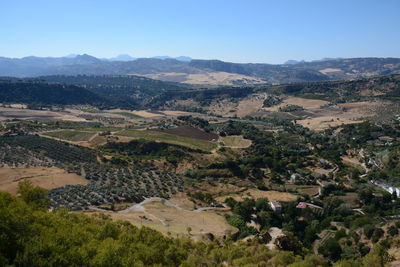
(47, 178)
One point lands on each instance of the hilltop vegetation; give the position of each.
(33, 92)
(342, 91)
(116, 85)
(100, 91)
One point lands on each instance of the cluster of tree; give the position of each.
(53, 149)
(204, 197)
(115, 184)
(271, 100)
(40, 93)
(143, 149)
(291, 108)
(301, 226)
(342, 91)
(195, 122)
(112, 181)
(203, 96)
(29, 126)
(280, 152)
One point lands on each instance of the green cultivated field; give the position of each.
(71, 135)
(171, 139)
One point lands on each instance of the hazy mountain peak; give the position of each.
(180, 58)
(292, 62)
(85, 59)
(184, 58)
(122, 57)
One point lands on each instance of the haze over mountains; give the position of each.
(201, 72)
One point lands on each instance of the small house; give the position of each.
(276, 206)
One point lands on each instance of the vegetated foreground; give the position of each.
(285, 175)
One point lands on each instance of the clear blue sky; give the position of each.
(232, 30)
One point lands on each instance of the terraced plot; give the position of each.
(235, 141)
(170, 138)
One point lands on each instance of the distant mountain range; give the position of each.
(187, 70)
(126, 57)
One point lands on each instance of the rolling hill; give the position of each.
(206, 72)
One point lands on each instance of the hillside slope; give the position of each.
(30, 92)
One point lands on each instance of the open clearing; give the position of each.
(169, 138)
(347, 113)
(206, 78)
(351, 199)
(299, 101)
(249, 105)
(235, 141)
(48, 178)
(75, 136)
(166, 219)
(310, 190)
(255, 193)
(325, 122)
(330, 70)
(352, 161)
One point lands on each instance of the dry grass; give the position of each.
(169, 138)
(321, 171)
(98, 140)
(235, 141)
(27, 114)
(310, 190)
(395, 252)
(255, 193)
(330, 70)
(140, 113)
(352, 161)
(168, 219)
(175, 113)
(304, 102)
(249, 105)
(350, 199)
(206, 78)
(71, 135)
(48, 178)
(224, 108)
(325, 122)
